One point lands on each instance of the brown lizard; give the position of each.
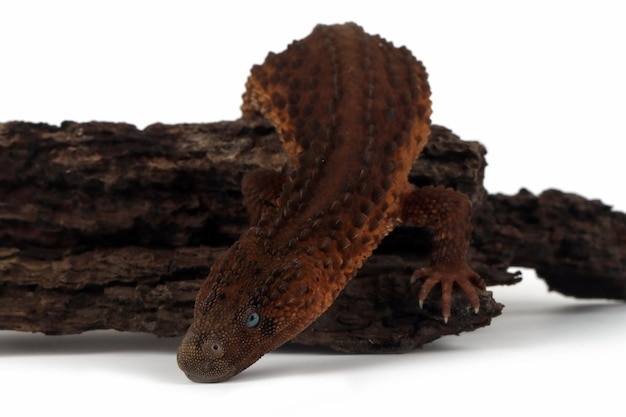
(353, 112)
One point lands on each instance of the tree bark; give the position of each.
(106, 226)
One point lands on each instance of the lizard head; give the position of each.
(244, 309)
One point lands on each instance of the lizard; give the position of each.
(353, 113)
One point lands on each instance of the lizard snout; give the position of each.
(201, 359)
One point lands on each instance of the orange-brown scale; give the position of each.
(353, 113)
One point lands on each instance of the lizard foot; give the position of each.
(468, 280)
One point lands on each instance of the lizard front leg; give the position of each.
(448, 214)
(261, 189)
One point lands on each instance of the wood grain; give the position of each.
(104, 226)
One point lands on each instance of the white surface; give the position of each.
(536, 82)
(545, 353)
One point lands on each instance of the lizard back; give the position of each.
(353, 113)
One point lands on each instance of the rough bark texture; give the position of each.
(106, 226)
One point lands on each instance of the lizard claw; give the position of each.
(468, 280)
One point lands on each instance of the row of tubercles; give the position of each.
(316, 141)
(310, 138)
(341, 236)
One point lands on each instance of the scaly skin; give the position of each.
(353, 112)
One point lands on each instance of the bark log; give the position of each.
(106, 226)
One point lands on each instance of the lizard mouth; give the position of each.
(211, 371)
(204, 370)
(203, 379)
(209, 362)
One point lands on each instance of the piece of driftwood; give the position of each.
(106, 226)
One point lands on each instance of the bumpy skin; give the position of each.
(353, 113)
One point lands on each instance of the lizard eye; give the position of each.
(253, 320)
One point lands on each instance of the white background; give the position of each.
(540, 83)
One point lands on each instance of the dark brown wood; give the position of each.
(107, 226)
(577, 246)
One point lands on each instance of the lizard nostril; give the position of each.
(214, 348)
